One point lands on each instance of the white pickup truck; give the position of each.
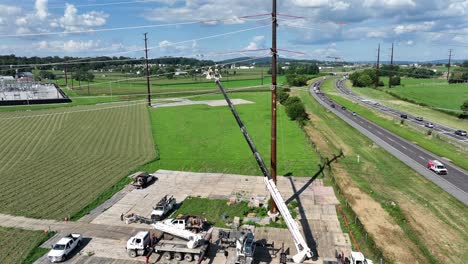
(163, 207)
(62, 249)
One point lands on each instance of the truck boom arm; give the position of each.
(193, 239)
(301, 246)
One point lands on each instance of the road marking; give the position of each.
(421, 157)
(379, 132)
(391, 139)
(403, 147)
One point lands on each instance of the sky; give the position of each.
(421, 30)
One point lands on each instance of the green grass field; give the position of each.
(435, 93)
(207, 139)
(25, 245)
(55, 162)
(130, 84)
(414, 109)
(429, 216)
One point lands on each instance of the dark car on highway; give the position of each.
(404, 116)
(460, 132)
(429, 125)
(343, 108)
(418, 118)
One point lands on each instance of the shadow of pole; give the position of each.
(309, 237)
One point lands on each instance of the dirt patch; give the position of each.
(386, 232)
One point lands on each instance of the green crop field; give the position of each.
(207, 139)
(55, 162)
(436, 93)
(25, 243)
(414, 109)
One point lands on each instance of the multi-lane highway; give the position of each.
(455, 182)
(439, 128)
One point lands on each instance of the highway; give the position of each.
(455, 182)
(439, 128)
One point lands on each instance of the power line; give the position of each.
(118, 28)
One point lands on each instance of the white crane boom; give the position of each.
(301, 246)
(193, 239)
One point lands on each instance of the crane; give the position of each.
(303, 251)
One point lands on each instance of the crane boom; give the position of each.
(193, 239)
(301, 245)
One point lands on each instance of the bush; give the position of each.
(296, 80)
(282, 97)
(363, 80)
(395, 80)
(292, 100)
(381, 83)
(296, 111)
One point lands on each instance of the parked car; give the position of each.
(62, 249)
(333, 105)
(404, 116)
(419, 118)
(437, 167)
(343, 108)
(460, 132)
(429, 125)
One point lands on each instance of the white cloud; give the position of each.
(257, 42)
(389, 3)
(41, 9)
(310, 3)
(72, 21)
(401, 29)
(67, 46)
(339, 6)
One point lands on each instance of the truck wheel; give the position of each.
(178, 256)
(167, 256)
(196, 257)
(132, 253)
(188, 257)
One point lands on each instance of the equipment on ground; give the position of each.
(142, 179)
(303, 251)
(193, 223)
(243, 241)
(62, 249)
(164, 206)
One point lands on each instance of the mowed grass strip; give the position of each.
(17, 245)
(204, 138)
(55, 162)
(429, 216)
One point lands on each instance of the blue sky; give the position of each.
(351, 29)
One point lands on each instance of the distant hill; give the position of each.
(249, 60)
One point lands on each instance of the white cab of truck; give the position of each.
(62, 249)
(358, 258)
(137, 245)
(437, 167)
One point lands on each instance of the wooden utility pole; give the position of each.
(66, 77)
(274, 66)
(377, 67)
(390, 75)
(147, 71)
(448, 65)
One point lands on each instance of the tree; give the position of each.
(296, 111)
(47, 75)
(464, 107)
(296, 80)
(282, 96)
(364, 81)
(465, 64)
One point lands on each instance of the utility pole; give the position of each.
(390, 75)
(66, 77)
(147, 71)
(273, 208)
(448, 65)
(377, 67)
